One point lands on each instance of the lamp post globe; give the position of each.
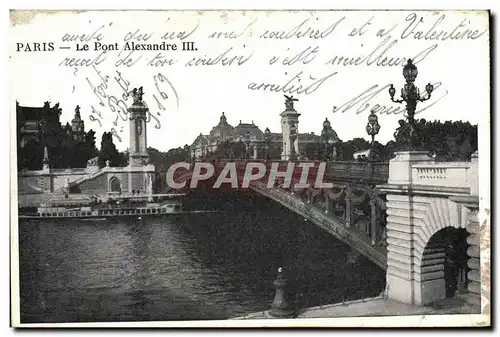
(410, 72)
(410, 95)
(429, 88)
(392, 90)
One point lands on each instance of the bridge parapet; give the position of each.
(418, 169)
(451, 174)
(459, 174)
(377, 172)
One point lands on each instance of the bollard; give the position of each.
(280, 308)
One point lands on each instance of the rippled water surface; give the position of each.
(198, 266)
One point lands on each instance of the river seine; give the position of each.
(214, 265)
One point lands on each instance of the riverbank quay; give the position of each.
(376, 307)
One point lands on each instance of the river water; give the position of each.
(195, 266)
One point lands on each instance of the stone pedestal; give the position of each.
(400, 167)
(409, 279)
(140, 178)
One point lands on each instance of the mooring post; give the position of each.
(280, 308)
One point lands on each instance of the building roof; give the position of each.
(309, 137)
(244, 129)
(26, 113)
(222, 130)
(200, 139)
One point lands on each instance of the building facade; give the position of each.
(49, 183)
(39, 129)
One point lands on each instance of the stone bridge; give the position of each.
(352, 210)
(399, 215)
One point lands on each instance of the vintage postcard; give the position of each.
(258, 168)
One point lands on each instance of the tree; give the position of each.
(448, 141)
(346, 150)
(109, 152)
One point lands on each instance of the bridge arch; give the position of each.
(431, 215)
(418, 256)
(443, 265)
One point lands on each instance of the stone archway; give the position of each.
(443, 265)
(115, 185)
(415, 254)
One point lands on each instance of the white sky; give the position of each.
(204, 92)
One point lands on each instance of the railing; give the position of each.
(453, 174)
(69, 171)
(335, 170)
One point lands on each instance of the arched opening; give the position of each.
(444, 264)
(456, 262)
(115, 185)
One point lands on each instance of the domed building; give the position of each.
(247, 135)
(249, 141)
(222, 131)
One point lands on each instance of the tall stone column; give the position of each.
(255, 153)
(138, 155)
(289, 117)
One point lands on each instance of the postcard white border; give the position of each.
(484, 145)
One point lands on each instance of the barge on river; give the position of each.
(115, 206)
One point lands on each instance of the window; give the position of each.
(115, 185)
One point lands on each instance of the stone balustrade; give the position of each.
(451, 174)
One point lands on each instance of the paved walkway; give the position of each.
(377, 306)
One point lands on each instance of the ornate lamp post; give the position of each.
(330, 138)
(267, 139)
(325, 136)
(203, 148)
(373, 127)
(247, 144)
(410, 95)
(293, 136)
(332, 142)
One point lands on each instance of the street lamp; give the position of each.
(267, 139)
(247, 144)
(410, 95)
(330, 138)
(325, 135)
(293, 136)
(373, 127)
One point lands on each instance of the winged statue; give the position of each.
(289, 102)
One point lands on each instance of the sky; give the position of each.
(338, 56)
